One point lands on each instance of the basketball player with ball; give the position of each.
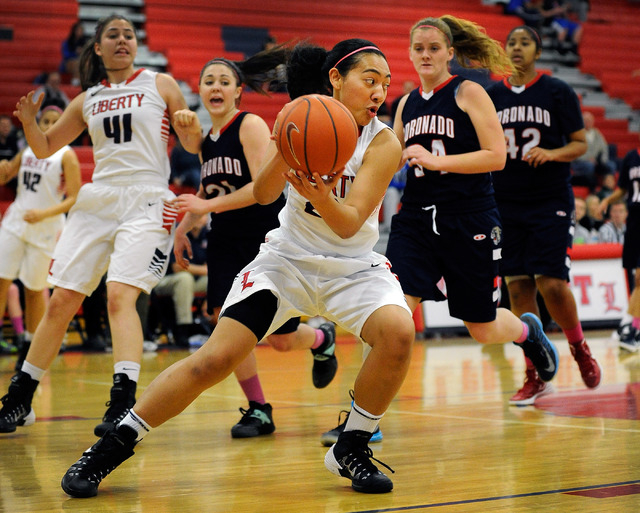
(320, 261)
(231, 154)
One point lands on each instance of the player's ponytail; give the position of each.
(473, 47)
(304, 71)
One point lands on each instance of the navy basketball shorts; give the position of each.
(537, 238)
(631, 247)
(464, 249)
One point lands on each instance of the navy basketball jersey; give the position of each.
(630, 180)
(541, 113)
(225, 170)
(434, 121)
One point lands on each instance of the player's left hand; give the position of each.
(191, 203)
(537, 156)
(33, 216)
(418, 155)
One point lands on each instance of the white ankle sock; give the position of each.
(131, 369)
(136, 423)
(35, 372)
(361, 420)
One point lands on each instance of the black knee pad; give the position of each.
(256, 312)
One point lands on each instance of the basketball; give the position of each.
(315, 133)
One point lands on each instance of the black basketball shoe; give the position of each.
(325, 363)
(123, 397)
(16, 405)
(84, 476)
(351, 457)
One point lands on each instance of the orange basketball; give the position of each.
(315, 133)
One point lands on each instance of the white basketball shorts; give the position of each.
(125, 231)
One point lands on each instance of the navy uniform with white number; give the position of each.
(629, 180)
(448, 226)
(536, 203)
(236, 235)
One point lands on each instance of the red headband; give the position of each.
(356, 51)
(437, 28)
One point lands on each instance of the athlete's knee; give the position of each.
(64, 304)
(256, 312)
(552, 289)
(483, 332)
(282, 343)
(392, 330)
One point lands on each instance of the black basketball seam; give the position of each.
(353, 120)
(284, 131)
(306, 125)
(335, 133)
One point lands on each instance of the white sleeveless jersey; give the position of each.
(302, 225)
(40, 180)
(129, 127)
(39, 187)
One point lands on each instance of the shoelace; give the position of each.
(94, 454)
(252, 413)
(341, 422)
(14, 410)
(365, 462)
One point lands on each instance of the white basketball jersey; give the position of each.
(40, 180)
(300, 223)
(129, 127)
(39, 186)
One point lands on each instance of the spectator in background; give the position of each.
(594, 218)
(613, 230)
(70, 50)
(8, 148)
(607, 187)
(185, 167)
(531, 12)
(595, 161)
(580, 8)
(568, 31)
(8, 138)
(182, 284)
(53, 95)
(582, 235)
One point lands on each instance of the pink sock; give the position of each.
(253, 389)
(18, 325)
(636, 323)
(319, 339)
(525, 334)
(574, 335)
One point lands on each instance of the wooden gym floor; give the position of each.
(453, 441)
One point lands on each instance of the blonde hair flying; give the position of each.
(473, 47)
